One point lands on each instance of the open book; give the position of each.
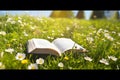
(56, 47)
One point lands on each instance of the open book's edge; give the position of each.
(45, 51)
(30, 46)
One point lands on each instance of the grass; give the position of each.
(99, 37)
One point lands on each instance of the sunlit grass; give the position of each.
(99, 37)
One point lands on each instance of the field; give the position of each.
(99, 37)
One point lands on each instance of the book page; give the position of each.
(30, 46)
(44, 46)
(65, 44)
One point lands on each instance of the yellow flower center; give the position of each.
(20, 56)
(24, 61)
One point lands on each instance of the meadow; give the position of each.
(100, 37)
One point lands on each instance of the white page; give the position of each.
(65, 44)
(42, 43)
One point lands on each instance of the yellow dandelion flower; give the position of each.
(66, 58)
(25, 61)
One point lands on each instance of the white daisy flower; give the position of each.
(104, 61)
(60, 64)
(106, 31)
(90, 39)
(106, 34)
(20, 56)
(20, 21)
(33, 66)
(9, 20)
(88, 59)
(112, 58)
(2, 66)
(10, 50)
(110, 38)
(40, 61)
(2, 33)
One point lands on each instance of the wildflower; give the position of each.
(2, 66)
(99, 31)
(118, 43)
(112, 58)
(118, 34)
(48, 37)
(66, 58)
(13, 22)
(118, 67)
(88, 59)
(9, 20)
(24, 24)
(32, 28)
(19, 18)
(90, 39)
(40, 61)
(13, 39)
(67, 28)
(1, 54)
(103, 39)
(106, 34)
(113, 32)
(110, 38)
(20, 56)
(104, 61)
(53, 31)
(10, 50)
(33, 66)
(106, 31)
(90, 34)
(3, 33)
(60, 64)
(69, 67)
(25, 61)
(20, 21)
(5, 24)
(25, 34)
(62, 34)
